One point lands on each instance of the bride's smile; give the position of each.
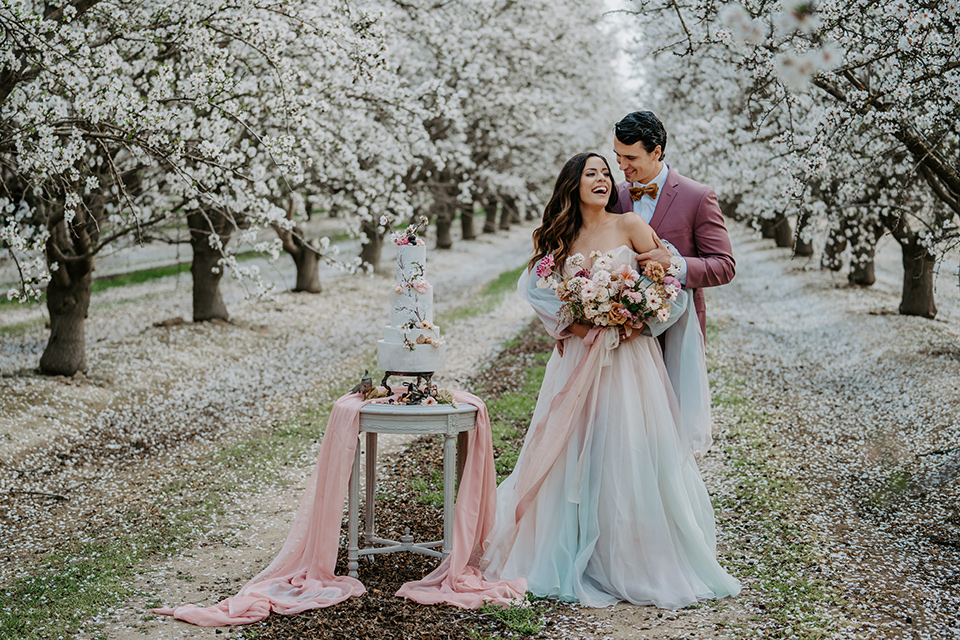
(595, 184)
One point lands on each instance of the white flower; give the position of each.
(589, 290)
(603, 262)
(676, 264)
(575, 261)
(653, 299)
(663, 314)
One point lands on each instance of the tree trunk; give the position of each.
(832, 251)
(68, 293)
(466, 222)
(864, 245)
(506, 213)
(529, 212)
(783, 234)
(441, 210)
(862, 273)
(766, 229)
(777, 229)
(205, 267)
(68, 300)
(514, 211)
(918, 266)
(371, 249)
(444, 225)
(490, 210)
(729, 209)
(802, 248)
(307, 260)
(305, 254)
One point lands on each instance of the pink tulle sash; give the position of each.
(551, 435)
(302, 576)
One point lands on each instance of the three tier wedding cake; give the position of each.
(411, 343)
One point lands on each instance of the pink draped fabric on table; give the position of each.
(302, 576)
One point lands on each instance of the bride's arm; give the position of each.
(546, 303)
(639, 232)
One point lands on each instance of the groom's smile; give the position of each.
(637, 164)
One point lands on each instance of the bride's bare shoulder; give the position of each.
(639, 232)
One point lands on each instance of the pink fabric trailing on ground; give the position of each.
(301, 577)
(457, 580)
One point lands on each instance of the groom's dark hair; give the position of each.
(645, 127)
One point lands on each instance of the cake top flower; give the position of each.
(409, 236)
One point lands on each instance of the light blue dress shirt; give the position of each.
(646, 205)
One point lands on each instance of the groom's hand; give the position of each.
(661, 253)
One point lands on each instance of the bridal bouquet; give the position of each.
(610, 296)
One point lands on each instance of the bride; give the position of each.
(606, 502)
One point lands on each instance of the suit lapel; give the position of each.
(623, 197)
(666, 199)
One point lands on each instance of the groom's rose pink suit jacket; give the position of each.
(688, 216)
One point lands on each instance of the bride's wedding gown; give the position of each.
(619, 510)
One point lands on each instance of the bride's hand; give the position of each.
(628, 333)
(578, 329)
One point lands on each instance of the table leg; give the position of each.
(462, 440)
(371, 487)
(353, 550)
(449, 495)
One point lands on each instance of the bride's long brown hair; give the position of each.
(561, 217)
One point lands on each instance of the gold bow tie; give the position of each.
(638, 192)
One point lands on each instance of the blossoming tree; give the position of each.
(130, 122)
(121, 117)
(511, 90)
(843, 113)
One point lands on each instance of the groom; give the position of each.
(682, 212)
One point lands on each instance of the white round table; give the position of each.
(451, 421)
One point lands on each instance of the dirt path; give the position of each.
(862, 406)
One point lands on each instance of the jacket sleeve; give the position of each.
(714, 264)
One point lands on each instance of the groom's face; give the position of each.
(637, 164)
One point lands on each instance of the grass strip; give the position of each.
(489, 298)
(137, 276)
